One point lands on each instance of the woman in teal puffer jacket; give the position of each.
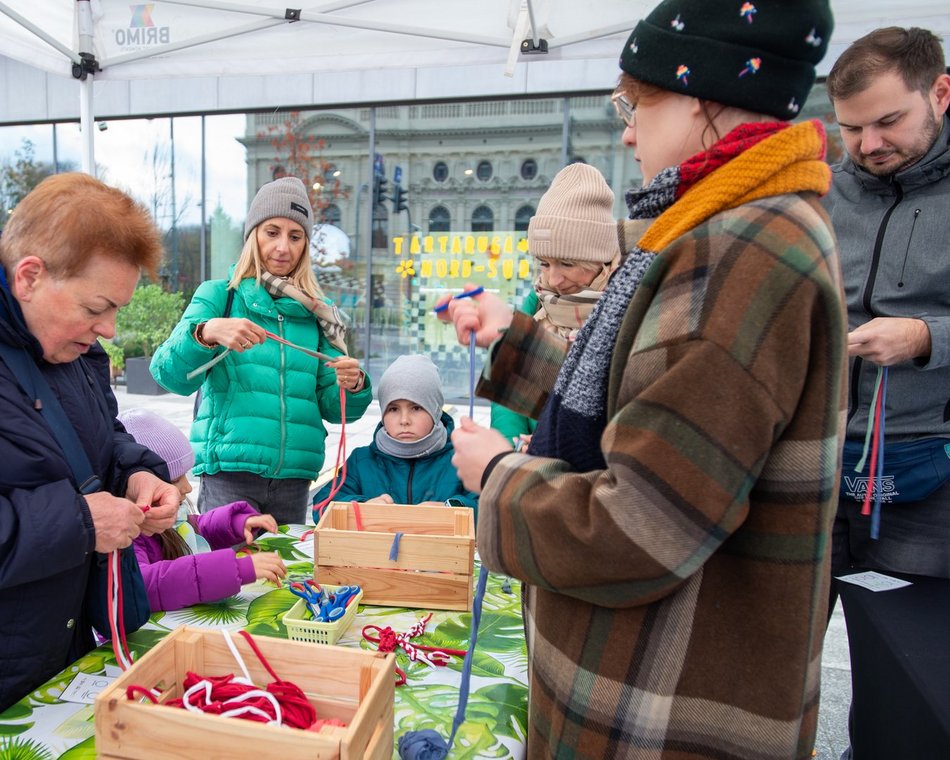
(259, 431)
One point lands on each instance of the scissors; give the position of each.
(337, 603)
(313, 595)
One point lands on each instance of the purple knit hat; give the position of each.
(162, 437)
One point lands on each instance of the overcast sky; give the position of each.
(124, 153)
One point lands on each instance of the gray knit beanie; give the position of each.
(162, 437)
(575, 219)
(415, 378)
(286, 198)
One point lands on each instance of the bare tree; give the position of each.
(21, 174)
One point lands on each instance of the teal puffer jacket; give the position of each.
(262, 411)
(371, 472)
(507, 421)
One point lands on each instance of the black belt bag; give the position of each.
(912, 470)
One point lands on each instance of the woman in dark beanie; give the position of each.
(671, 517)
(258, 434)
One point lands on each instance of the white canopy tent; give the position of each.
(109, 59)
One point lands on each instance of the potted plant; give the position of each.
(141, 327)
(116, 359)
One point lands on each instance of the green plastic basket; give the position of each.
(300, 627)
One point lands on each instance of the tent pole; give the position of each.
(84, 73)
(203, 255)
(86, 126)
(39, 32)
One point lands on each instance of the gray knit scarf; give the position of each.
(428, 444)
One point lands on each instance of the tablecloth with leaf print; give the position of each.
(43, 727)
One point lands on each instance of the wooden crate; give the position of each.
(351, 685)
(434, 566)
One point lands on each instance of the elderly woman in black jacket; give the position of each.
(71, 253)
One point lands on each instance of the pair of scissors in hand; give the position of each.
(313, 595)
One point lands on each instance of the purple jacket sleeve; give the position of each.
(176, 583)
(224, 525)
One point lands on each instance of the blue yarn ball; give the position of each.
(422, 745)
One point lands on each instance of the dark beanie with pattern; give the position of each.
(758, 56)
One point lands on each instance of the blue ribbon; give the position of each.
(394, 549)
(428, 744)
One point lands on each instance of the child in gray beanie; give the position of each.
(410, 458)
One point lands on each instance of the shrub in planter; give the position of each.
(141, 327)
(116, 358)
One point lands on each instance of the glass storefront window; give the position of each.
(472, 174)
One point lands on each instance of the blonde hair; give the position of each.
(69, 218)
(249, 265)
(590, 266)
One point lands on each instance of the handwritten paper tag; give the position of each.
(874, 581)
(84, 688)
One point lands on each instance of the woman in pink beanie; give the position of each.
(177, 572)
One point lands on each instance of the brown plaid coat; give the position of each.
(676, 600)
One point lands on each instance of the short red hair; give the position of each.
(68, 218)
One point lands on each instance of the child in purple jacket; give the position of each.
(176, 570)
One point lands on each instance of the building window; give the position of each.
(529, 169)
(522, 217)
(483, 219)
(440, 220)
(440, 172)
(331, 215)
(484, 171)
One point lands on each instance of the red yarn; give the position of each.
(875, 443)
(223, 692)
(388, 640)
(120, 647)
(336, 485)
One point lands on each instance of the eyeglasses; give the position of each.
(625, 110)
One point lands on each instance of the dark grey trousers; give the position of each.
(287, 499)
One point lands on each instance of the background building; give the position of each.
(471, 175)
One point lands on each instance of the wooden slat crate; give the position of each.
(434, 566)
(351, 685)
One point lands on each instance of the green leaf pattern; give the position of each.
(41, 726)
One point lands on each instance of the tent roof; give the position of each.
(185, 56)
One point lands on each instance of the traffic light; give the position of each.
(399, 199)
(380, 191)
